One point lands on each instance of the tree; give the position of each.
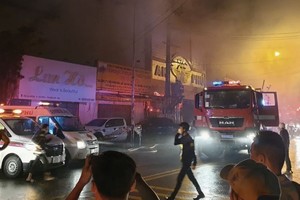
(13, 44)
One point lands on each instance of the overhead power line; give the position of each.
(159, 20)
(270, 36)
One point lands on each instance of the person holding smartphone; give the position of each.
(188, 159)
(114, 177)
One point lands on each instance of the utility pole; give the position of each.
(133, 75)
(168, 69)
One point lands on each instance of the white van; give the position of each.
(79, 142)
(21, 151)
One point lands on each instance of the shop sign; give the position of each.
(180, 70)
(118, 79)
(53, 80)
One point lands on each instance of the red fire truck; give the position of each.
(228, 115)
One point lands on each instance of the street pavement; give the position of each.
(159, 165)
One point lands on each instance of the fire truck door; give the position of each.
(267, 108)
(199, 101)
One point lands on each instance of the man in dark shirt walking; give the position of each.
(286, 140)
(188, 158)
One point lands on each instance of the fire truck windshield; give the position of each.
(227, 99)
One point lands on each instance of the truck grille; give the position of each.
(226, 122)
(56, 150)
(92, 142)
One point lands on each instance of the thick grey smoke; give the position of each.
(233, 39)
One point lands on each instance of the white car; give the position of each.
(108, 129)
(111, 129)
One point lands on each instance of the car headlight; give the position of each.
(204, 134)
(81, 145)
(31, 147)
(251, 136)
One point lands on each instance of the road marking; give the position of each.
(144, 148)
(160, 175)
(162, 195)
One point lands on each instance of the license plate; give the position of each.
(227, 136)
(94, 151)
(56, 159)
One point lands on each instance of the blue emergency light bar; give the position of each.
(220, 83)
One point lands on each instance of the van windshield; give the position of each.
(23, 126)
(68, 123)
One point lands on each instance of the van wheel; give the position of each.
(12, 167)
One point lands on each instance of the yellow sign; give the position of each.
(159, 71)
(181, 70)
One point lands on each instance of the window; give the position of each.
(227, 99)
(115, 122)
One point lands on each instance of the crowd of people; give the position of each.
(114, 174)
(256, 175)
(258, 178)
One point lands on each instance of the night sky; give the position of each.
(233, 39)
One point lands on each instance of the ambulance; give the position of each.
(21, 151)
(79, 142)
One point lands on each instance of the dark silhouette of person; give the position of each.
(286, 141)
(268, 148)
(4, 138)
(250, 180)
(188, 158)
(58, 132)
(41, 140)
(114, 177)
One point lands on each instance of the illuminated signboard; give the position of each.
(180, 70)
(53, 80)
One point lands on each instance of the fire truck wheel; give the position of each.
(12, 167)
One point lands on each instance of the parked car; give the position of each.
(112, 129)
(158, 129)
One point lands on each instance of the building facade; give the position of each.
(107, 90)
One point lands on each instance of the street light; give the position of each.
(276, 53)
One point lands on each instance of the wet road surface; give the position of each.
(158, 164)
